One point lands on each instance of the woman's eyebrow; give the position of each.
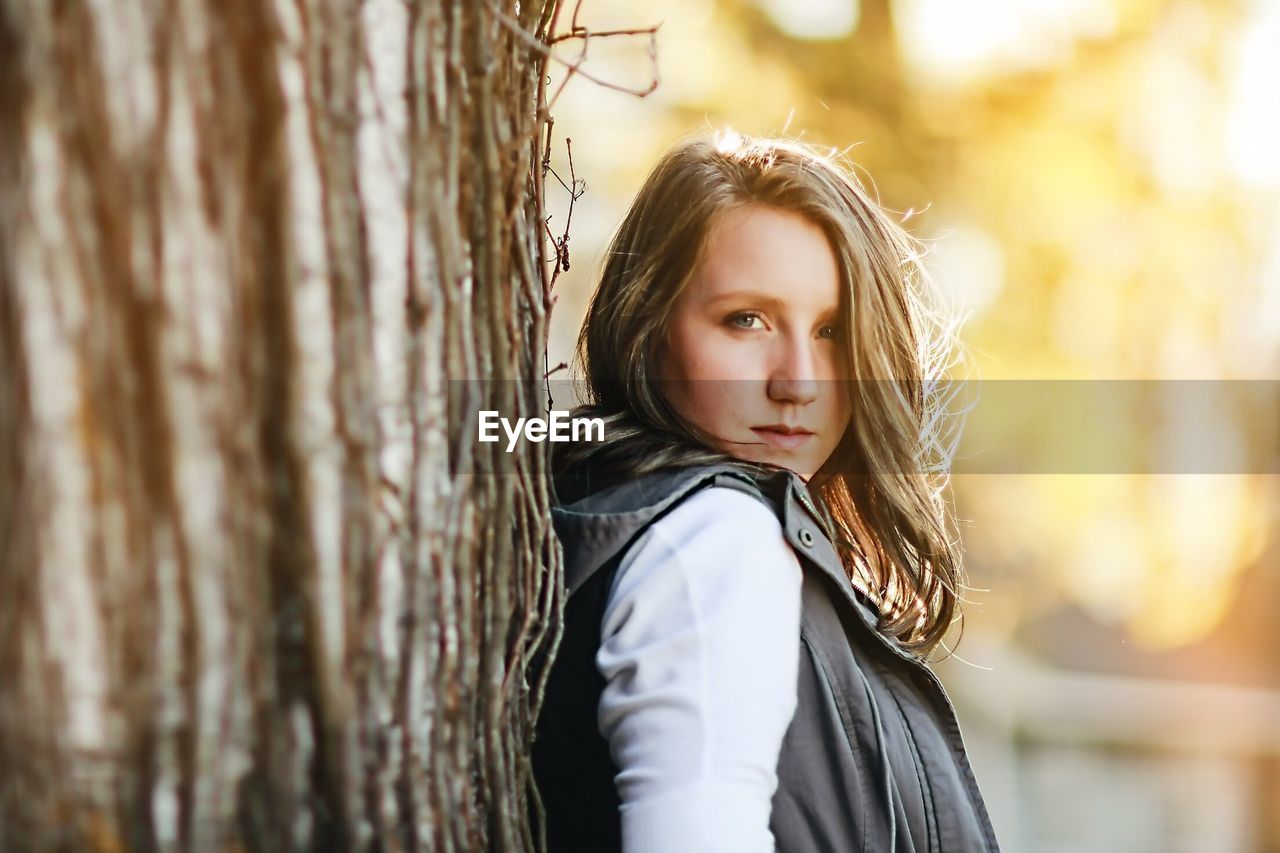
(768, 299)
(747, 296)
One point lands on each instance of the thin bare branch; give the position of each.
(575, 188)
(575, 66)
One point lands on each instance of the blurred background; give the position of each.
(1099, 183)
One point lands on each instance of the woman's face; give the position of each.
(755, 350)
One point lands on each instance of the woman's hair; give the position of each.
(882, 486)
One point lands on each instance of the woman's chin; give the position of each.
(781, 459)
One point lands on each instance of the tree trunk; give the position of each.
(259, 587)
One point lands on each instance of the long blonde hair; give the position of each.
(883, 486)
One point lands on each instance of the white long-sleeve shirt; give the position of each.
(700, 652)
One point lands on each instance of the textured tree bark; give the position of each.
(259, 587)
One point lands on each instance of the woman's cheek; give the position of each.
(734, 358)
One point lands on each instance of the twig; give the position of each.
(546, 378)
(576, 30)
(546, 150)
(559, 179)
(575, 188)
(604, 34)
(575, 67)
(543, 45)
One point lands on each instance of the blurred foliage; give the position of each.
(1098, 183)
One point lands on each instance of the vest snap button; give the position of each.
(806, 537)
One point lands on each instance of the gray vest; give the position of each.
(873, 759)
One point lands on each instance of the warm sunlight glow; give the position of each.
(950, 41)
(968, 267)
(1161, 553)
(1253, 127)
(813, 19)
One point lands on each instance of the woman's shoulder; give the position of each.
(721, 511)
(702, 509)
(717, 533)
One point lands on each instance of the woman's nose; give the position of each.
(792, 378)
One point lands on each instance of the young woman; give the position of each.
(758, 556)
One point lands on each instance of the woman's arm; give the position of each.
(699, 650)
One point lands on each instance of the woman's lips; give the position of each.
(786, 440)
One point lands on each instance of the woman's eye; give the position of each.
(746, 321)
(830, 332)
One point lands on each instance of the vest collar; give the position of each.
(598, 526)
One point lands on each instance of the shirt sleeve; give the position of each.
(700, 654)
